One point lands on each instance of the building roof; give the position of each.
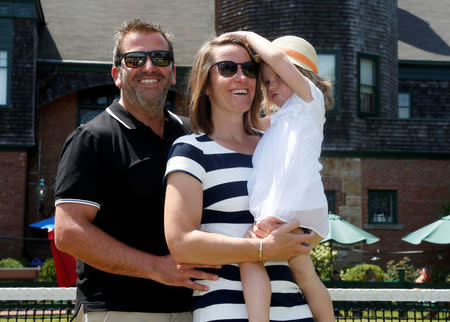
(423, 30)
(82, 30)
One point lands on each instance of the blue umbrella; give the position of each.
(48, 224)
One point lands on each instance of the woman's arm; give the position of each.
(277, 60)
(190, 245)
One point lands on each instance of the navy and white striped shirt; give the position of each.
(223, 174)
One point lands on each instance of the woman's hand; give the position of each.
(282, 243)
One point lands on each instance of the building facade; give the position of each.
(387, 141)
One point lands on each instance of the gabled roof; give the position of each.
(82, 30)
(424, 30)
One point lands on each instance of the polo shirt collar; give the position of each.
(119, 113)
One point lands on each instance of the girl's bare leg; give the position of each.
(315, 292)
(256, 287)
(257, 291)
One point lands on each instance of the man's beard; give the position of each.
(154, 104)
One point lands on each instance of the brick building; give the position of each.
(387, 141)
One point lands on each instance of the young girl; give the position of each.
(285, 183)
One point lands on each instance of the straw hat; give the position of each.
(299, 51)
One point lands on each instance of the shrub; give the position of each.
(392, 268)
(48, 271)
(321, 259)
(10, 263)
(358, 273)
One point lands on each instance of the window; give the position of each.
(367, 84)
(6, 44)
(404, 105)
(328, 66)
(331, 199)
(382, 206)
(93, 101)
(3, 77)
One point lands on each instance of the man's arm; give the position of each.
(75, 234)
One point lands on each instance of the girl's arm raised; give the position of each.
(277, 60)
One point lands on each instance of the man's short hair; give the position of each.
(139, 26)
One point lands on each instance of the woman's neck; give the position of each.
(229, 132)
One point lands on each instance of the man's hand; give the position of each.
(182, 275)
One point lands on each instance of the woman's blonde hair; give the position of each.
(199, 104)
(323, 84)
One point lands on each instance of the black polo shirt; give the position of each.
(116, 163)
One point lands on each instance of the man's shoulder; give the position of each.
(102, 124)
(184, 121)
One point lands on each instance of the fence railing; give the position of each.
(356, 304)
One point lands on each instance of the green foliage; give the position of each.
(358, 273)
(23, 261)
(10, 263)
(392, 268)
(48, 271)
(321, 259)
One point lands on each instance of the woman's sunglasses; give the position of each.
(135, 59)
(229, 68)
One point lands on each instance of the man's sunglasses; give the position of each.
(229, 68)
(135, 59)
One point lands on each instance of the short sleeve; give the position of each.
(80, 177)
(185, 157)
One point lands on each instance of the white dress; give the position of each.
(285, 182)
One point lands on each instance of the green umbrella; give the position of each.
(437, 232)
(343, 232)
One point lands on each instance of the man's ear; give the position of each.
(174, 76)
(115, 73)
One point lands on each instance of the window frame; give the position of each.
(376, 62)
(6, 27)
(337, 81)
(409, 105)
(393, 194)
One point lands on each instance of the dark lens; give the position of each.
(250, 69)
(227, 68)
(134, 60)
(161, 58)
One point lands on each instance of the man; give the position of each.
(110, 194)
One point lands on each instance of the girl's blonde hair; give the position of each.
(199, 104)
(323, 84)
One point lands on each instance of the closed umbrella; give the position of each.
(48, 224)
(343, 232)
(437, 232)
(65, 264)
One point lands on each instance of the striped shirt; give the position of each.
(223, 174)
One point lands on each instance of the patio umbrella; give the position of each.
(48, 224)
(343, 232)
(437, 232)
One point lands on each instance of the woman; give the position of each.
(206, 213)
